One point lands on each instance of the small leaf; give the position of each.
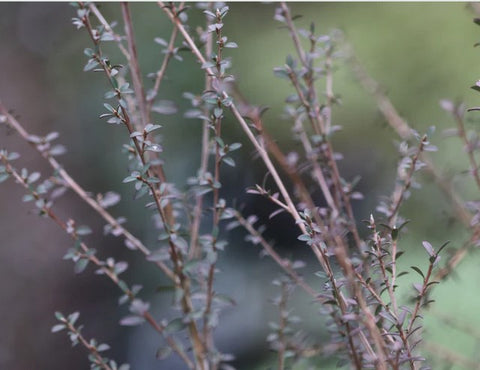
(80, 265)
(175, 325)
(109, 107)
(415, 268)
(428, 247)
(229, 161)
(163, 352)
(58, 327)
(103, 347)
(83, 230)
(151, 127)
(132, 321)
(91, 64)
(4, 176)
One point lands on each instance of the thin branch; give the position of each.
(134, 66)
(197, 212)
(319, 124)
(371, 326)
(468, 148)
(72, 184)
(91, 257)
(102, 20)
(402, 128)
(285, 264)
(93, 351)
(401, 189)
(163, 68)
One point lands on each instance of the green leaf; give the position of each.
(83, 230)
(81, 265)
(175, 325)
(91, 64)
(72, 318)
(88, 52)
(58, 327)
(151, 127)
(229, 161)
(109, 107)
(304, 238)
(231, 45)
(416, 269)
(163, 352)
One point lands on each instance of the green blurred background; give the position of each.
(419, 52)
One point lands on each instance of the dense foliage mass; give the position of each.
(354, 291)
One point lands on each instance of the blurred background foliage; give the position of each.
(419, 52)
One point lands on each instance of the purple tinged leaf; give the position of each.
(57, 150)
(298, 264)
(418, 287)
(139, 307)
(428, 247)
(52, 136)
(109, 199)
(120, 267)
(132, 321)
(160, 41)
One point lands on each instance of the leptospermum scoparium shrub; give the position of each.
(355, 291)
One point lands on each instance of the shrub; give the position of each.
(356, 286)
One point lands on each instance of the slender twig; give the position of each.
(402, 128)
(216, 195)
(72, 184)
(134, 66)
(401, 189)
(282, 338)
(91, 349)
(469, 149)
(285, 264)
(369, 319)
(47, 210)
(197, 212)
(102, 20)
(319, 125)
(163, 68)
(165, 215)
